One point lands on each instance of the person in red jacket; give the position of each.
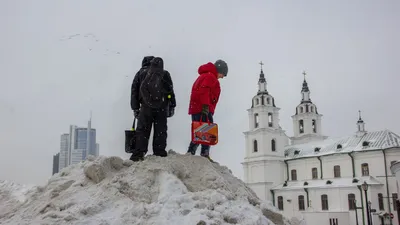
(204, 98)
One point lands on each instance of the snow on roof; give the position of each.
(322, 183)
(369, 141)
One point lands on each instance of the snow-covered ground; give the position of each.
(176, 190)
(11, 196)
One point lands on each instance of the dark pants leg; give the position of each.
(205, 149)
(143, 129)
(148, 117)
(160, 132)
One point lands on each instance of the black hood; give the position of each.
(146, 61)
(157, 63)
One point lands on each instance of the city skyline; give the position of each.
(76, 146)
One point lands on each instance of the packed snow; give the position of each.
(177, 190)
(11, 195)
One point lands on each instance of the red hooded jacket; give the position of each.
(205, 90)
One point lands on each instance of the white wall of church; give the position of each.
(261, 115)
(338, 197)
(337, 201)
(309, 165)
(374, 160)
(322, 218)
(261, 176)
(342, 160)
(260, 172)
(392, 156)
(307, 123)
(264, 139)
(261, 189)
(395, 169)
(303, 168)
(375, 163)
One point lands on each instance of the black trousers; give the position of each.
(146, 119)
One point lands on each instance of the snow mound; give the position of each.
(12, 195)
(177, 190)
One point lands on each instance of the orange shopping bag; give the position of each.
(204, 132)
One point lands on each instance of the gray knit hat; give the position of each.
(222, 67)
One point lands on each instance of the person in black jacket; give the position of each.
(152, 114)
(137, 80)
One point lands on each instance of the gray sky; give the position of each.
(350, 51)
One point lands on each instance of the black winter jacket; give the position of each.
(136, 99)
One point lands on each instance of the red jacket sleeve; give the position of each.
(206, 86)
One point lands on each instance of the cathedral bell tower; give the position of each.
(265, 140)
(307, 120)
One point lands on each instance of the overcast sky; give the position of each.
(350, 50)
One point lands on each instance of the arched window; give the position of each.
(364, 169)
(324, 202)
(336, 171)
(314, 172)
(268, 101)
(394, 197)
(301, 203)
(301, 126)
(270, 119)
(301, 109)
(294, 174)
(280, 202)
(255, 146)
(257, 101)
(312, 108)
(351, 198)
(380, 202)
(273, 145)
(314, 126)
(256, 122)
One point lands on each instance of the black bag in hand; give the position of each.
(130, 138)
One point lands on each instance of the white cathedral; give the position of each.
(315, 178)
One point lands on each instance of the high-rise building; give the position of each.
(84, 142)
(64, 146)
(77, 145)
(56, 162)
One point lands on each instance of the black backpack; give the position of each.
(152, 89)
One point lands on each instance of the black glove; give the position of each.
(205, 110)
(136, 113)
(171, 112)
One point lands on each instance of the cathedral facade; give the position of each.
(315, 178)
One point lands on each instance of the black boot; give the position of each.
(137, 157)
(161, 153)
(192, 148)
